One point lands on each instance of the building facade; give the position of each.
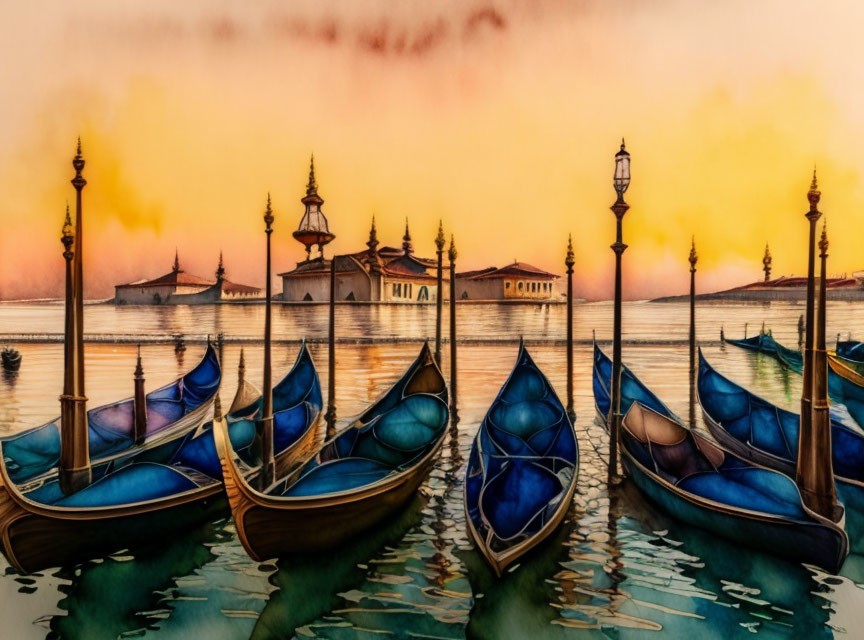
(387, 274)
(516, 281)
(179, 287)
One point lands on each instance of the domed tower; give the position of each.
(313, 227)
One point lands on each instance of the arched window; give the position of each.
(464, 295)
(307, 297)
(423, 293)
(520, 286)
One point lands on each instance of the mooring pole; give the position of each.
(569, 261)
(330, 416)
(439, 298)
(454, 411)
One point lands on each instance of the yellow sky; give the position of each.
(501, 118)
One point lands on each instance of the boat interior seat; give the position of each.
(337, 475)
(515, 499)
(399, 435)
(135, 483)
(696, 465)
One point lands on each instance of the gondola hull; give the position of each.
(526, 441)
(268, 528)
(815, 544)
(35, 537)
(282, 520)
(500, 561)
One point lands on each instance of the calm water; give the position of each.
(616, 568)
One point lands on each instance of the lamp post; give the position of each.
(569, 261)
(620, 181)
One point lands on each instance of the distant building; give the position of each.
(179, 287)
(516, 281)
(374, 275)
(387, 274)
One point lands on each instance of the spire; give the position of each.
(314, 228)
(766, 263)
(312, 185)
(372, 243)
(176, 267)
(407, 247)
(220, 270)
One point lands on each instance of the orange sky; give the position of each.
(502, 118)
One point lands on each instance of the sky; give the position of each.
(499, 118)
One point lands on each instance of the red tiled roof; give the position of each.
(233, 287)
(174, 278)
(514, 270)
(793, 282)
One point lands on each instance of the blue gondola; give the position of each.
(697, 482)
(361, 476)
(845, 383)
(165, 487)
(759, 431)
(172, 411)
(522, 469)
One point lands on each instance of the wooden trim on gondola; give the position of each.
(242, 497)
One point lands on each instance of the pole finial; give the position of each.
(823, 241)
(451, 253)
(268, 216)
(693, 257)
(570, 259)
(78, 164)
(814, 194)
(440, 240)
(139, 369)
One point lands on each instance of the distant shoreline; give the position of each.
(767, 295)
(298, 303)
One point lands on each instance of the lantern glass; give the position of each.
(622, 171)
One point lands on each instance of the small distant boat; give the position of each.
(754, 429)
(695, 481)
(845, 382)
(358, 478)
(162, 489)
(11, 358)
(851, 352)
(522, 469)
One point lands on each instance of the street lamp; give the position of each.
(620, 181)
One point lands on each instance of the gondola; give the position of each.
(163, 489)
(754, 429)
(11, 359)
(523, 466)
(359, 477)
(845, 384)
(696, 482)
(172, 411)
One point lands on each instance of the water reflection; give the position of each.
(618, 567)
